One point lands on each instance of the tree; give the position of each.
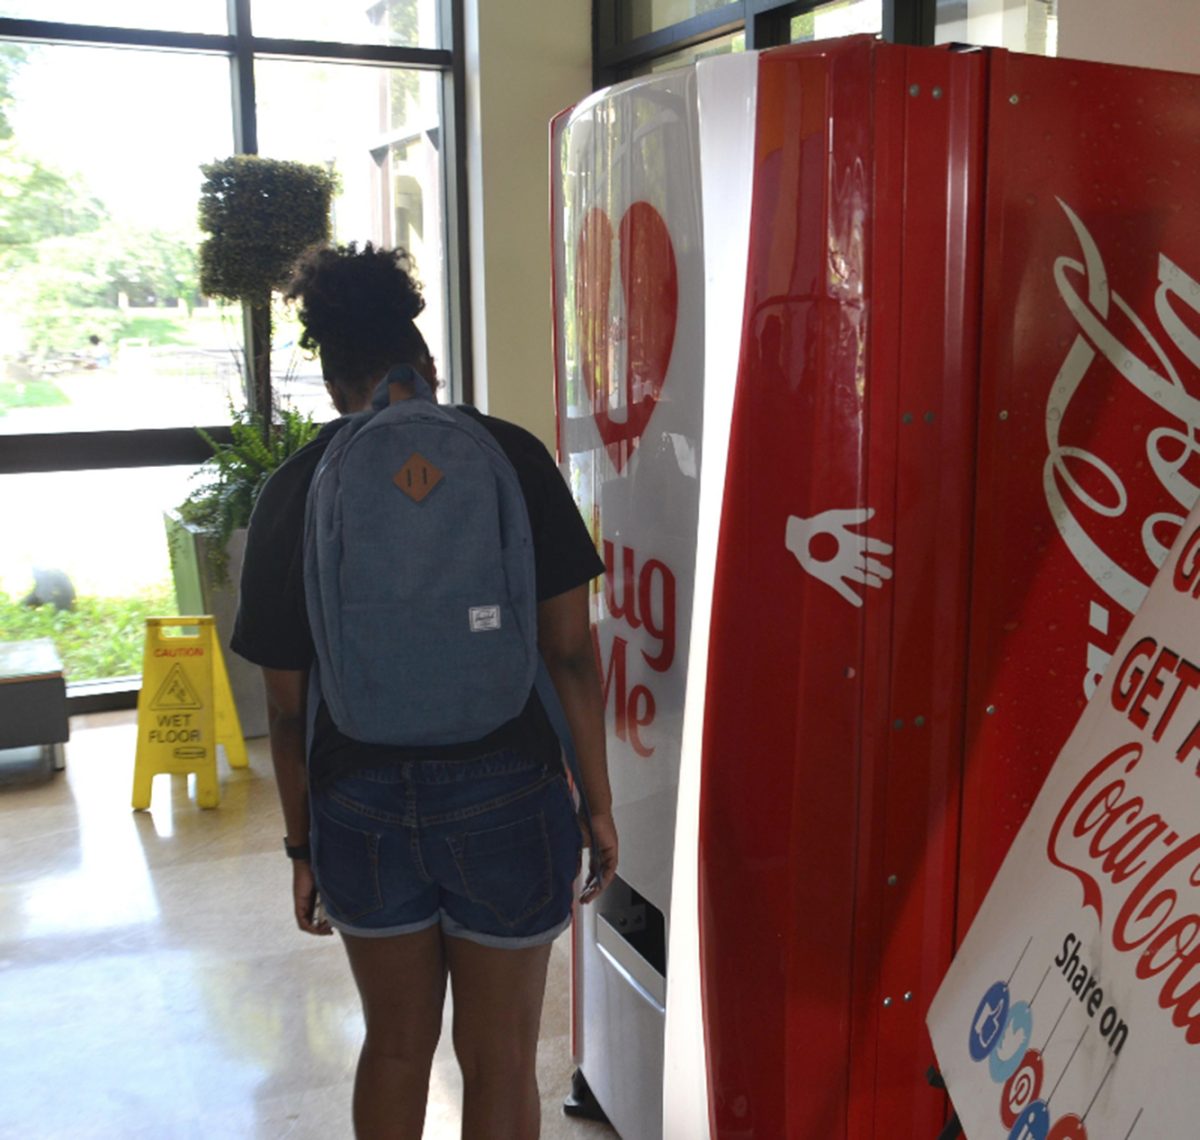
(72, 287)
(74, 259)
(404, 84)
(41, 212)
(66, 278)
(260, 215)
(36, 202)
(12, 56)
(152, 267)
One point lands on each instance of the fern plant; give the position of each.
(228, 482)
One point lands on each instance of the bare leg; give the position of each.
(497, 1015)
(402, 983)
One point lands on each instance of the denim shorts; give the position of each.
(488, 847)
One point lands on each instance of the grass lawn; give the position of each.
(99, 638)
(33, 393)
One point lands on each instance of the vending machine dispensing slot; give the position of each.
(631, 934)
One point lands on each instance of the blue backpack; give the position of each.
(419, 575)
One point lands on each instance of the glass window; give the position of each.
(1019, 25)
(639, 17)
(840, 18)
(95, 541)
(101, 323)
(379, 130)
(102, 327)
(209, 16)
(397, 23)
(721, 46)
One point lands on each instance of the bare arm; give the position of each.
(565, 641)
(286, 697)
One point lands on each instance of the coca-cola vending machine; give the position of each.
(875, 371)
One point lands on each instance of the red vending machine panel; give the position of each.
(1089, 407)
(828, 810)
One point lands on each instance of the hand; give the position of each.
(602, 861)
(851, 561)
(304, 899)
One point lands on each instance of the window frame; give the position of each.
(157, 447)
(616, 53)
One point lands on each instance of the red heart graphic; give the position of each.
(650, 286)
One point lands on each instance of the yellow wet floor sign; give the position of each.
(185, 709)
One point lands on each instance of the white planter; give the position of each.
(196, 594)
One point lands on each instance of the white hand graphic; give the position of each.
(851, 561)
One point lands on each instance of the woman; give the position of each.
(385, 821)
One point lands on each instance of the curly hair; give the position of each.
(357, 308)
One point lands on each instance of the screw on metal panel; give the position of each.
(991, 709)
(907, 418)
(908, 996)
(892, 880)
(915, 89)
(887, 1001)
(1004, 415)
(929, 417)
(897, 723)
(919, 721)
(937, 92)
(1014, 99)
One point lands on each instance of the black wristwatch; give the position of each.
(303, 851)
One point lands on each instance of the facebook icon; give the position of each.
(989, 1020)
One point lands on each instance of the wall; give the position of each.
(995, 23)
(526, 61)
(1145, 33)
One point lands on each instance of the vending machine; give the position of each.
(875, 371)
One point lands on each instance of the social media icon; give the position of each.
(1033, 1123)
(1068, 1127)
(1013, 1043)
(1022, 1089)
(989, 1021)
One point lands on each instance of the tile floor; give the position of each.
(152, 984)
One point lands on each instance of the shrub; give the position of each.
(229, 481)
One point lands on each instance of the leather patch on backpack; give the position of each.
(417, 477)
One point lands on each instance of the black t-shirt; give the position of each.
(272, 628)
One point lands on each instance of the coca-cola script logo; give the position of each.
(650, 289)
(1081, 486)
(1128, 857)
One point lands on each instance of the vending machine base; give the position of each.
(621, 951)
(581, 1102)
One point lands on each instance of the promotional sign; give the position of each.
(1072, 1010)
(1089, 407)
(185, 709)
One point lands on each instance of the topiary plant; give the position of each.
(260, 215)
